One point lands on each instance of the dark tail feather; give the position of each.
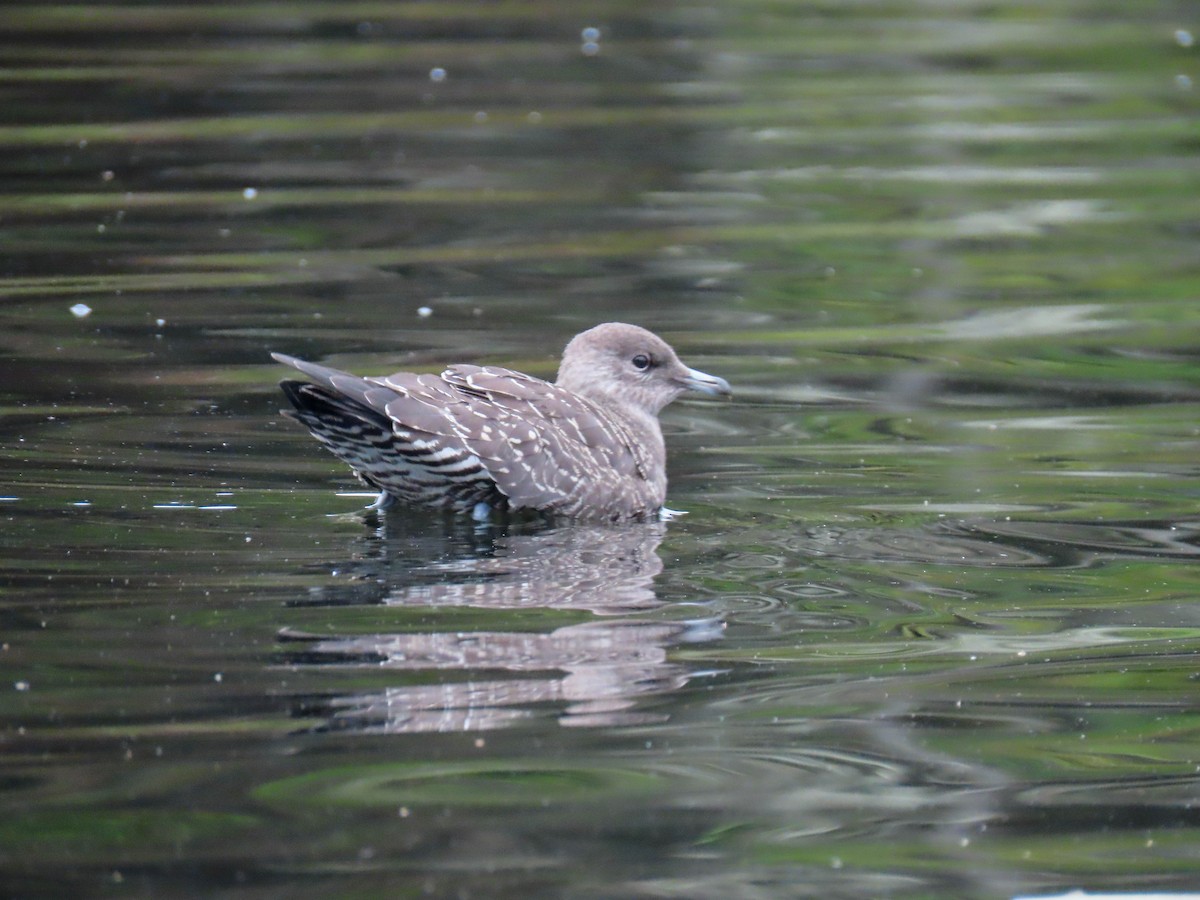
(333, 409)
(354, 433)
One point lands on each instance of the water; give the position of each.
(929, 626)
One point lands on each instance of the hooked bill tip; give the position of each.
(706, 384)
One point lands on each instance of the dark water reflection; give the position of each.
(929, 628)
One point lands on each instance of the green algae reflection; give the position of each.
(485, 783)
(79, 833)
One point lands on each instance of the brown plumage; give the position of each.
(478, 438)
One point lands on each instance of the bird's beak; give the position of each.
(706, 384)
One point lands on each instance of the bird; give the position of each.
(486, 440)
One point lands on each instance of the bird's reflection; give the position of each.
(514, 621)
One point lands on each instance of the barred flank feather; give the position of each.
(401, 463)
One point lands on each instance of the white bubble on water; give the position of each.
(1184, 38)
(81, 310)
(437, 73)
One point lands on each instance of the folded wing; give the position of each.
(544, 447)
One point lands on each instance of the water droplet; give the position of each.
(424, 312)
(437, 73)
(250, 193)
(481, 117)
(592, 33)
(81, 310)
(1184, 38)
(590, 48)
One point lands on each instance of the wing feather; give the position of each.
(546, 447)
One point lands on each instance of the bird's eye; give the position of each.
(641, 362)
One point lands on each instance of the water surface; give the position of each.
(929, 627)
